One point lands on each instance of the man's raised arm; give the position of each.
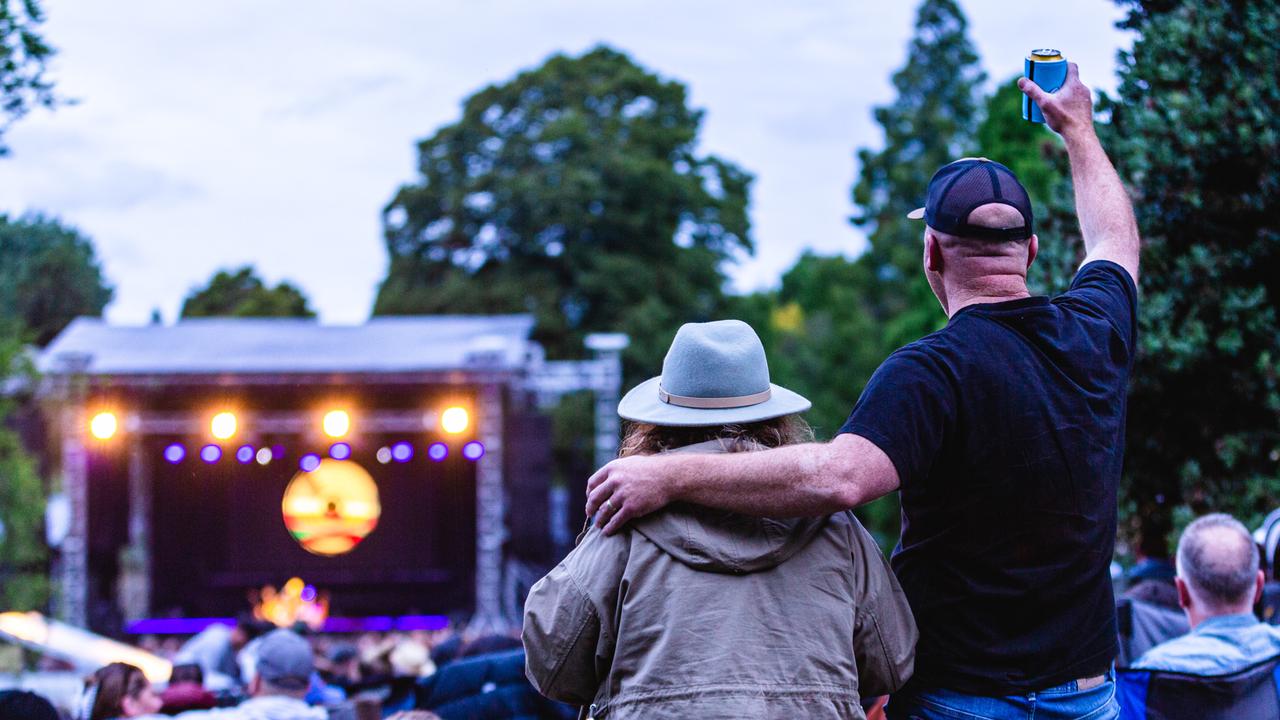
(810, 479)
(1106, 215)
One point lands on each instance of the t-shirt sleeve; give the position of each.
(905, 410)
(1106, 290)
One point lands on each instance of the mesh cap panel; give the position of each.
(956, 190)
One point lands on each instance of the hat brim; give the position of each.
(643, 405)
(917, 214)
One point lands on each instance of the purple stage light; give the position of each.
(245, 454)
(473, 450)
(346, 625)
(339, 451)
(308, 594)
(211, 454)
(277, 452)
(402, 452)
(175, 453)
(309, 462)
(438, 451)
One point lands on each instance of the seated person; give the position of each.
(1218, 583)
(186, 691)
(692, 612)
(282, 676)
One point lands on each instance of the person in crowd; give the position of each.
(1218, 582)
(1003, 432)
(119, 690)
(25, 705)
(282, 677)
(342, 665)
(215, 649)
(1268, 537)
(410, 658)
(186, 691)
(1151, 577)
(695, 612)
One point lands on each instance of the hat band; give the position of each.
(714, 403)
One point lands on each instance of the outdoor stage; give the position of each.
(178, 444)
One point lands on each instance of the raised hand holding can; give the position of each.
(1048, 69)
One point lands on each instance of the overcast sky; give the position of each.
(210, 135)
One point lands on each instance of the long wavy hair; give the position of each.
(647, 439)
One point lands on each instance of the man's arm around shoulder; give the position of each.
(791, 481)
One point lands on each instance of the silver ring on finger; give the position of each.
(609, 504)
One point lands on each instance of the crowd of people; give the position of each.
(251, 671)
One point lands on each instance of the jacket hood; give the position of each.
(720, 541)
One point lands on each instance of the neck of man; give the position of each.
(1197, 614)
(986, 289)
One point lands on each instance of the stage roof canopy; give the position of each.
(203, 346)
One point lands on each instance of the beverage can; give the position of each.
(1047, 68)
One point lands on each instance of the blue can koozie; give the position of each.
(1046, 68)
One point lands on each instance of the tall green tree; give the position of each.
(24, 574)
(241, 293)
(1195, 133)
(930, 123)
(573, 192)
(23, 56)
(49, 275)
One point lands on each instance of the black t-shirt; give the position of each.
(1006, 428)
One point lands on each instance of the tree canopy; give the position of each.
(49, 275)
(1195, 133)
(573, 192)
(23, 55)
(930, 122)
(241, 293)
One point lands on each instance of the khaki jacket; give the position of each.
(700, 613)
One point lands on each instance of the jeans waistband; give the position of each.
(1081, 684)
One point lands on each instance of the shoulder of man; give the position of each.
(1104, 289)
(1193, 653)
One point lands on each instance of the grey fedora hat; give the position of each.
(715, 373)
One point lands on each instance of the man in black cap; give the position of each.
(1004, 432)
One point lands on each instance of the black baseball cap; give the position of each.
(961, 187)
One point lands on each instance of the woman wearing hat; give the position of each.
(700, 613)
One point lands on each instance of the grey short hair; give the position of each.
(1219, 560)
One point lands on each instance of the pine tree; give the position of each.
(931, 123)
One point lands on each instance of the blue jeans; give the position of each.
(1064, 702)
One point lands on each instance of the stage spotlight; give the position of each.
(473, 450)
(339, 451)
(309, 462)
(104, 425)
(264, 456)
(438, 451)
(245, 454)
(175, 453)
(384, 455)
(402, 452)
(211, 454)
(337, 423)
(454, 420)
(223, 425)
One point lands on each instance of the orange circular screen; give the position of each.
(332, 508)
